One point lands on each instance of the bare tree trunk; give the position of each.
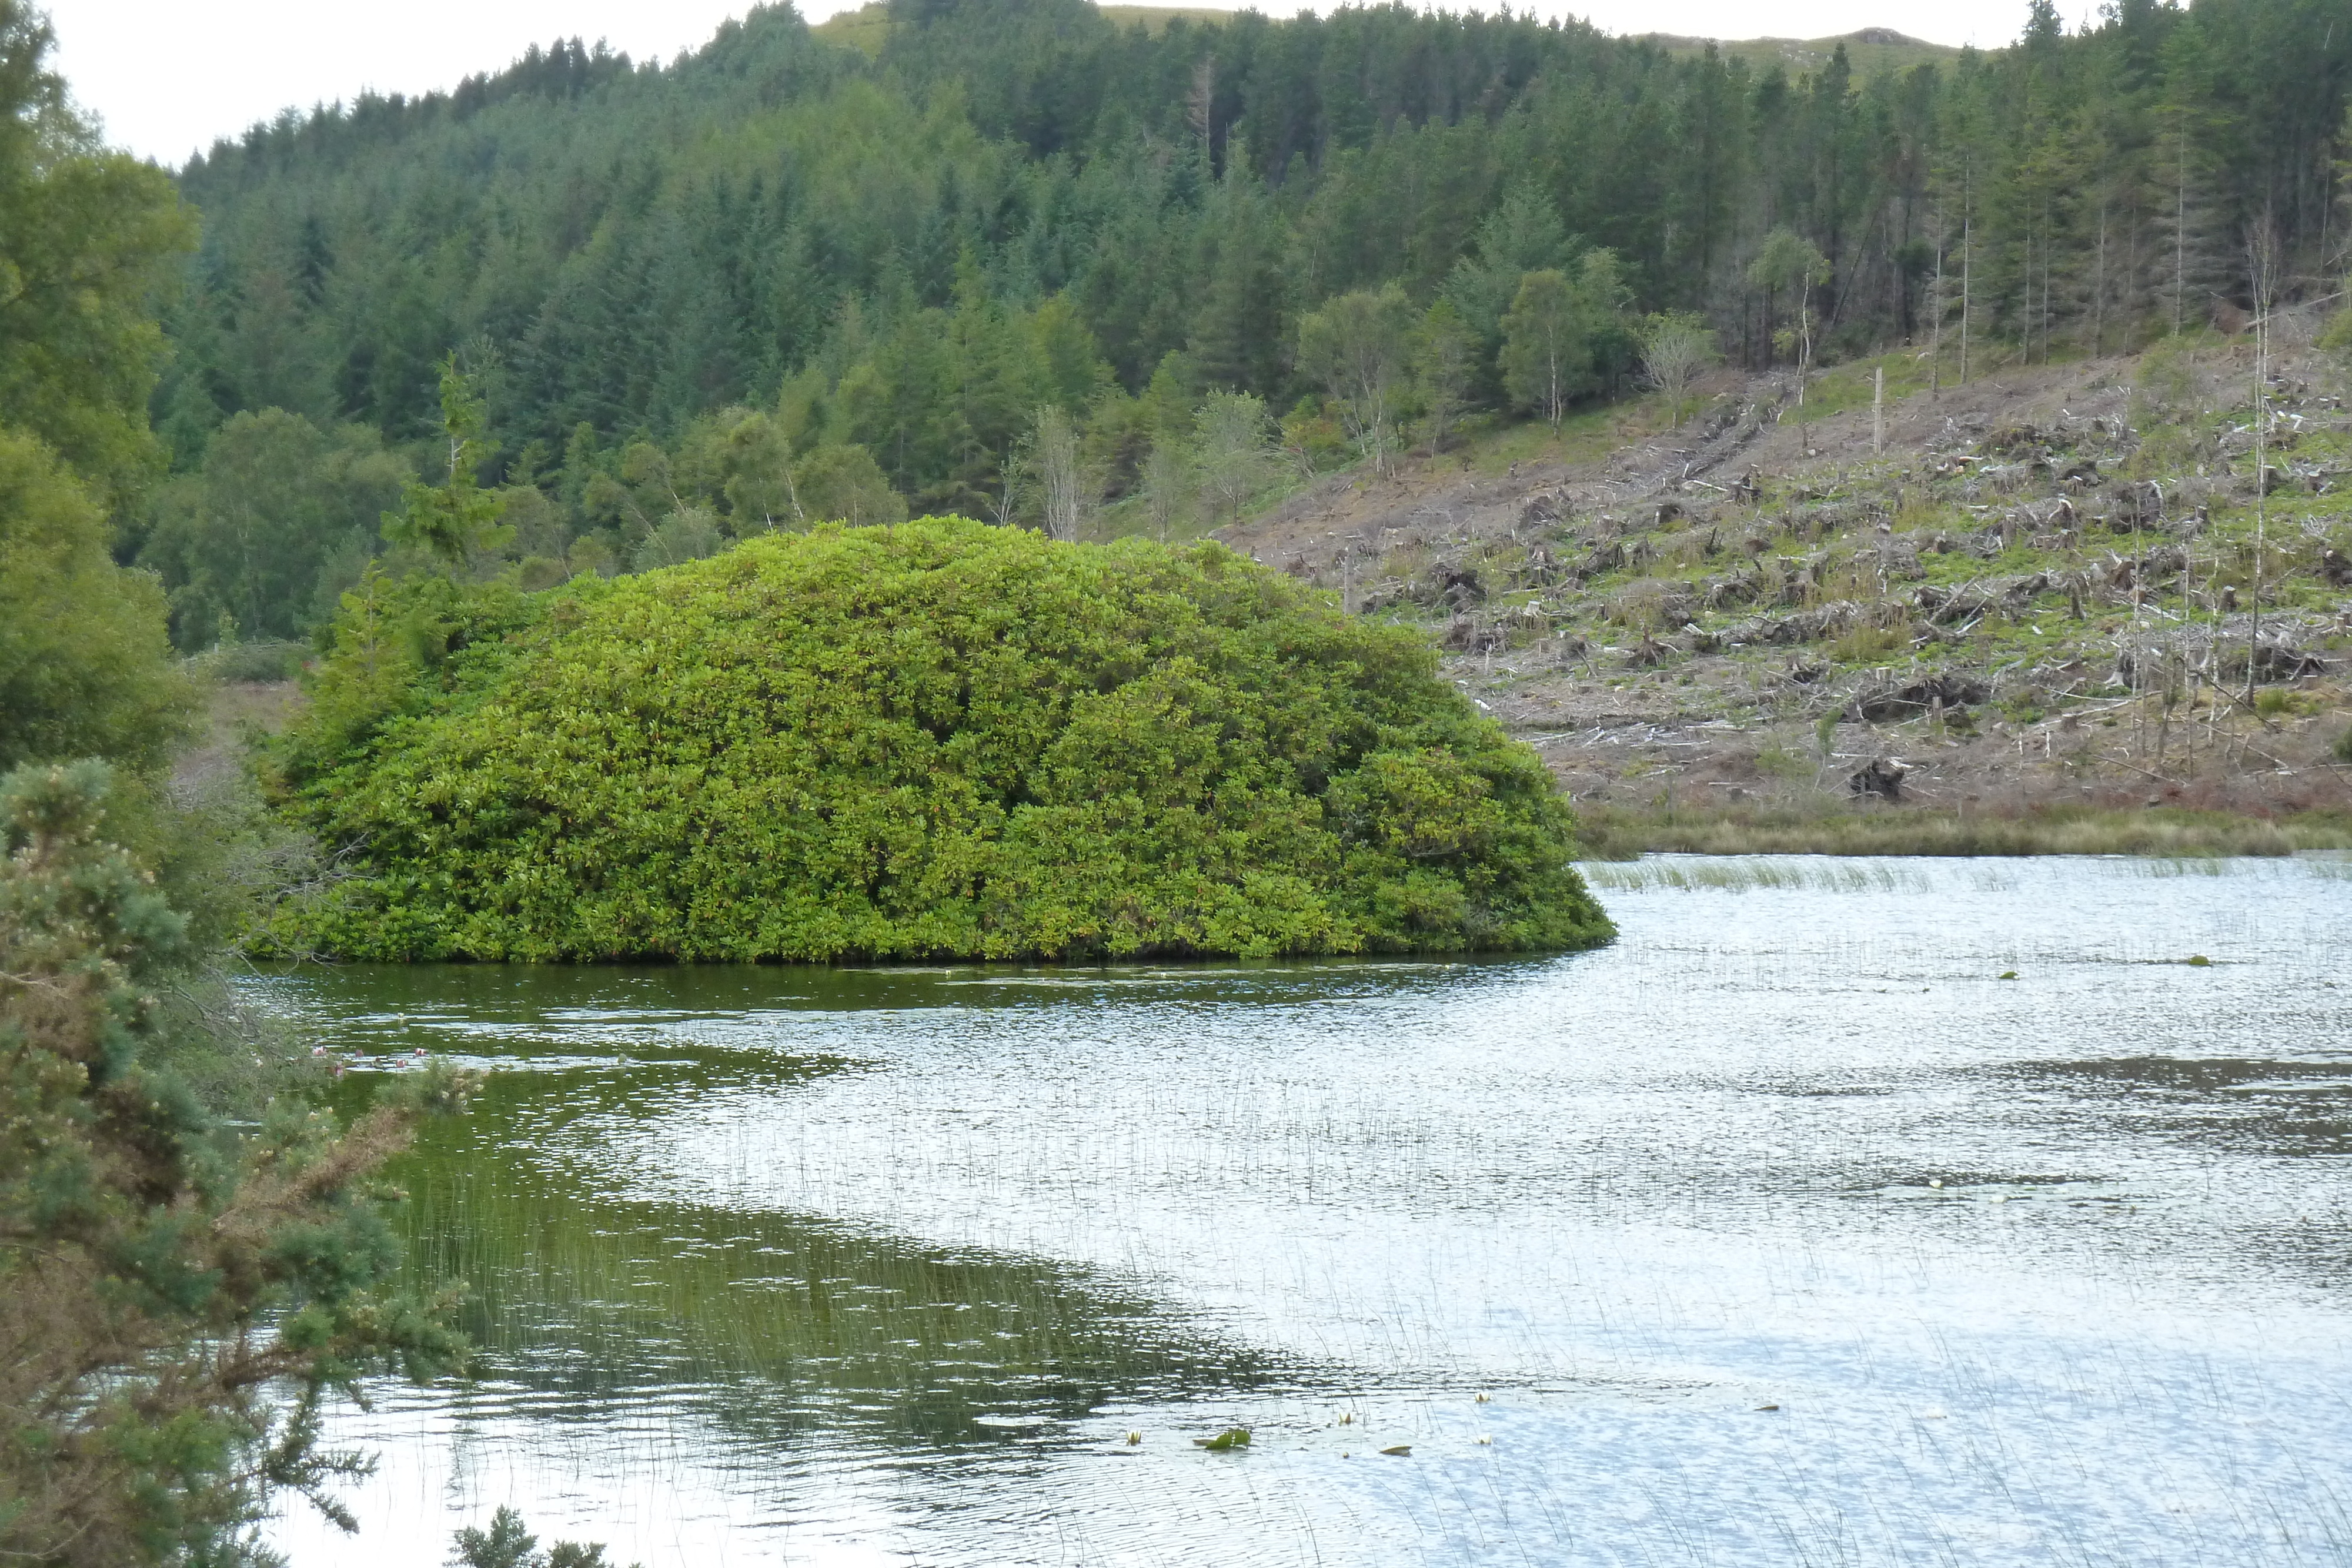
(1202, 108)
(1936, 340)
(2261, 256)
(2099, 285)
(2180, 230)
(1058, 472)
(1966, 233)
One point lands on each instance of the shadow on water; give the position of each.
(776, 1323)
(583, 1301)
(2292, 1109)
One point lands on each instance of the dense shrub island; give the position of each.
(933, 739)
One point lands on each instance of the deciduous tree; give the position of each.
(1356, 346)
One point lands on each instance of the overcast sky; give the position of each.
(168, 77)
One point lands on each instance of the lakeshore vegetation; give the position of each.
(934, 739)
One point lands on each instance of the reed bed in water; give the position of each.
(1833, 874)
(583, 1301)
(1742, 873)
(1609, 834)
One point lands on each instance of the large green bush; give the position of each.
(85, 668)
(933, 739)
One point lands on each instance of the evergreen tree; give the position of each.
(1022, 204)
(163, 1282)
(457, 517)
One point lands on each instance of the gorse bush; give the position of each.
(507, 1544)
(934, 739)
(179, 1300)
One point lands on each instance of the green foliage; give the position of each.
(1445, 360)
(85, 667)
(165, 1282)
(2165, 392)
(1788, 263)
(1867, 644)
(1230, 451)
(934, 739)
(87, 236)
(507, 1544)
(1019, 204)
(2337, 335)
(277, 519)
(1676, 347)
(689, 533)
(1356, 346)
(844, 483)
(1561, 335)
(1523, 235)
(388, 638)
(457, 517)
(264, 663)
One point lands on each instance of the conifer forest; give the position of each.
(839, 271)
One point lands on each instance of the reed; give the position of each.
(1615, 833)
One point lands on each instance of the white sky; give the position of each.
(167, 77)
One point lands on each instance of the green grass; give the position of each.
(1852, 384)
(868, 28)
(1586, 435)
(1154, 19)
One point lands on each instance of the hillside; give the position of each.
(2037, 602)
(1870, 51)
(847, 271)
(867, 27)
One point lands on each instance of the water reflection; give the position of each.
(1783, 1232)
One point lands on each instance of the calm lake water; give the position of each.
(1783, 1232)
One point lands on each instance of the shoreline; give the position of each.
(1614, 834)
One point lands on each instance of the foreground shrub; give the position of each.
(178, 1298)
(929, 740)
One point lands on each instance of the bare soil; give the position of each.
(1641, 724)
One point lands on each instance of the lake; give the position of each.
(1784, 1231)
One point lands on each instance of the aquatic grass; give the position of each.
(587, 1299)
(1610, 833)
(2323, 865)
(1742, 873)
